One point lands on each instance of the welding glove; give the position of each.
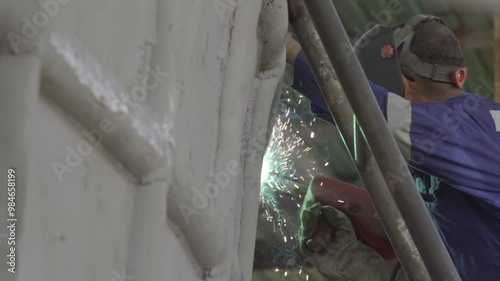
(340, 257)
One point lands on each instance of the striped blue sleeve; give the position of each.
(454, 140)
(305, 83)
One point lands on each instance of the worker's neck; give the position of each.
(441, 96)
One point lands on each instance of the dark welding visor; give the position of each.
(377, 54)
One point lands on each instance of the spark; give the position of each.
(280, 180)
(279, 161)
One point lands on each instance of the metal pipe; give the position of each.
(343, 115)
(363, 157)
(420, 227)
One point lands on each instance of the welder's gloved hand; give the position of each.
(327, 240)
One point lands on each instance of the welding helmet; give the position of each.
(403, 35)
(382, 51)
(376, 52)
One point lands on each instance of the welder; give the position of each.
(451, 140)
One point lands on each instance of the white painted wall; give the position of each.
(122, 210)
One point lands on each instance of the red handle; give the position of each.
(355, 203)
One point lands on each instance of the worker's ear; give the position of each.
(459, 77)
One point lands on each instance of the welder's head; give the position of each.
(430, 55)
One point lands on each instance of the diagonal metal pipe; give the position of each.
(405, 218)
(342, 113)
